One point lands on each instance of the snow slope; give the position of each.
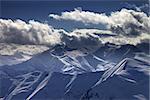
(129, 83)
(72, 74)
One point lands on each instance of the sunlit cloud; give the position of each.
(126, 22)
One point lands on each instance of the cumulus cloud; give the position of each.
(81, 38)
(83, 16)
(34, 32)
(120, 40)
(95, 37)
(125, 22)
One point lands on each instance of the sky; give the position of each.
(76, 24)
(39, 10)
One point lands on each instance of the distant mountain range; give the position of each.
(108, 72)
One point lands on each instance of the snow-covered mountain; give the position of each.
(105, 73)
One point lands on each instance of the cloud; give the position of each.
(90, 38)
(121, 40)
(34, 32)
(82, 16)
(29, 50)
(95, 37)
(125, 22)
(81, 38)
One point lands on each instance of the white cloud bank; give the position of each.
(126, 22)
(89, 37)
(123, 27)
(34, 32)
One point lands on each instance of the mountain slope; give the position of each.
(66, 73)
(129, 82)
